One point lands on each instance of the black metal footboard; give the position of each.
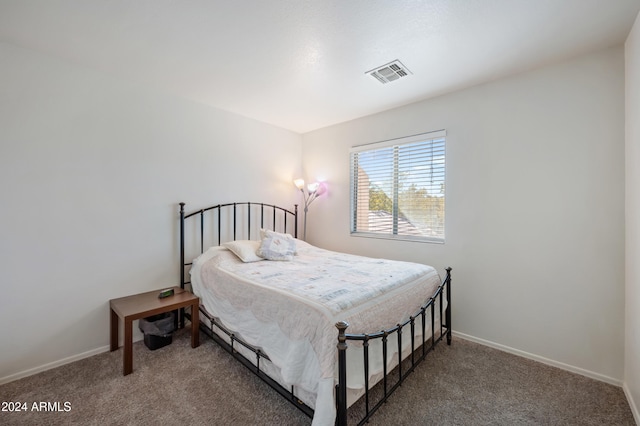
(416, 355)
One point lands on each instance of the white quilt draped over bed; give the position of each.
(290, 308)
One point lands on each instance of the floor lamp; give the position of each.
(314, 190)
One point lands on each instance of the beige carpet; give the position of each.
(462, 384)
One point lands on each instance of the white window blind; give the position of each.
(398, 188)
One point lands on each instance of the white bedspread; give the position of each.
(290, 308)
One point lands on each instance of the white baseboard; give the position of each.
(561, 365)
(54, 364)
(58, 363)
(632, 404)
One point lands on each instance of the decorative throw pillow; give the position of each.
(276, 246)
(244, 249)
(263, 234)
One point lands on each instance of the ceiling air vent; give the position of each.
(389, 72)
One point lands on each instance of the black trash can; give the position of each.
(157, 330)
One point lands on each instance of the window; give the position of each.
(398, 188)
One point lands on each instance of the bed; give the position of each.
(283, 307)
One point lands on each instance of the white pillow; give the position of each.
(276, 246)
(244, 249)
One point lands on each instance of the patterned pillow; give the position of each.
(276, 246)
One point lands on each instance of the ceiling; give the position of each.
(300, 64)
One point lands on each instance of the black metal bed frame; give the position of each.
(417, 355)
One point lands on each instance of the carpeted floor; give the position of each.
(462, 384)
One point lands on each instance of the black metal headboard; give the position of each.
(232, 221)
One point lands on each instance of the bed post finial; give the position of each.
(341, 397)
(342, 339)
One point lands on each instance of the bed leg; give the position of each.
(341, 394)
(448, 310)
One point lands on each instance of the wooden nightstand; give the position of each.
(144, 305)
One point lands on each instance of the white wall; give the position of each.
(632, 157)
(91, 171)
(534, 209)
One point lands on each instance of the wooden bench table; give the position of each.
(131, 308)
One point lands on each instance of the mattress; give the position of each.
(289, 309)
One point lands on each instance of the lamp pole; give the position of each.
(308, 198)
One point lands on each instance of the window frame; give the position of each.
(353, 188)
